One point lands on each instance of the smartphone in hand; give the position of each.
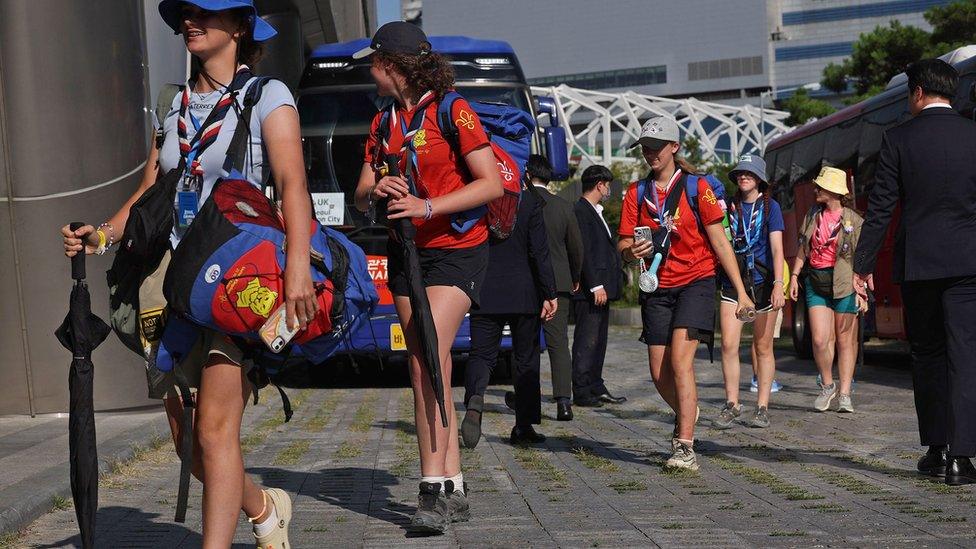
(275, 332)
(643, 233)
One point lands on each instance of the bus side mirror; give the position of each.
(555, 143)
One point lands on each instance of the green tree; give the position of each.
(877, 56)
(803, 108)
(953, 26)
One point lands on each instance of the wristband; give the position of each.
(775, 282)
(101, 248)
(430, 209)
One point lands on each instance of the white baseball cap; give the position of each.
(658, 132)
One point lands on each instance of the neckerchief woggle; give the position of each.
(206, 135)
(750, 232)
(408, 130)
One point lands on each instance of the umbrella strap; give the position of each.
(186, 444)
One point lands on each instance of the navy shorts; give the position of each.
(691, 306)
(464, 268)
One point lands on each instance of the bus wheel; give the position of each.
(802, 340)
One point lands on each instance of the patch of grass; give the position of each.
(761, 515)
(593, 461)
(628, 486)
(11, 539)
(537, 462)
(261, 431)
(679, 473)
(404, 432)
(734, 506)
(348, 450)
(794, 423)
(948, 519)
(775, 484)
(787, 533)
(673, 526)
(341, 518)
(849, 483)
(60, 503)
(293, 453)
(824, 508)
(320, 419)
(363, 418)
(709, 492)
(120, 471)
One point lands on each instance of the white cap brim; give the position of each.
(368, 50)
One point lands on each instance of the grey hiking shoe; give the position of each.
(683, 457)
(760, 419)
(457, 502)
(432, 516)
(827, 394)
(730, 412)
(844, 404)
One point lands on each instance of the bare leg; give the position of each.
(439, 451)
(765, 364)
(845, 325)
(683, 363)
(659, 360)
(731, 337)
(822, 330)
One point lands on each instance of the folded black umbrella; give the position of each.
(421, 317)
(80, 333)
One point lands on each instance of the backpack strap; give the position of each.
(445, 121)
(237, 149)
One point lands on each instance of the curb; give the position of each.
(34, 496)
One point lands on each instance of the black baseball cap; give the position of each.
(399, 37)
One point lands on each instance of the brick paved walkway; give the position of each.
(349, 459)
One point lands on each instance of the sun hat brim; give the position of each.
(170, 11)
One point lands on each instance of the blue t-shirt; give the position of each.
(747, 216)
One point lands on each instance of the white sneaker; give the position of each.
(277, 538)
(844, 405)
(683, 458)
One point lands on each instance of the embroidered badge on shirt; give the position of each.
(420, 138)
(465, 119)
(710, 196)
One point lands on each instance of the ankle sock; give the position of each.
(458, 481)
(688, 443)
(267, 525)
(438, 480)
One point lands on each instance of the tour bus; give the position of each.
(850, 139)
(337, 101)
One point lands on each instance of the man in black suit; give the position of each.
(519, 285)
(602, 281)
(927, 166)
(566, 256)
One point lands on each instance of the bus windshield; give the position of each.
(334, 129)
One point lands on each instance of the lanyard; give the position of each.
(655, 206)
(750, 232)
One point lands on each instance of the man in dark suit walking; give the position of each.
(519, 284)
(566, 256)
(602, 281)
(927, 167)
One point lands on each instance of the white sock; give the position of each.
(458, 481)
(267, 525)
(439, 480)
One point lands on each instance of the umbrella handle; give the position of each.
(78, 261)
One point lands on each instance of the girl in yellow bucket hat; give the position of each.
(828, 238)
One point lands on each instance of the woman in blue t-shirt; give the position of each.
(756, 222)
(223, 36)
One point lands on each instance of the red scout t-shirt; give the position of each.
(441, 170)
(691, 257)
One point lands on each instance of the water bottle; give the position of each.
(748, 315)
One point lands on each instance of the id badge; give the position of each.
(186, 204)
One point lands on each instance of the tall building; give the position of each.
(720, 51)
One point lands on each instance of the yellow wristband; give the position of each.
(102, 239)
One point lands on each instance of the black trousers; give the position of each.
(589, 348)
(486, 337)
(941, 325)
(557, 344)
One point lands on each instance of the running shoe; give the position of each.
(730, 412)
(827, 395)
(760, 419)
(457, 502)
(683, 457)
(844, 404)
(754, 387)
(820, 383)
(432, 514)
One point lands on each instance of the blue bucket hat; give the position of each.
(172, 14)
(751, 163)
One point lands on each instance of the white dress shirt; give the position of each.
(599, 213)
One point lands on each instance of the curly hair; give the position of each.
(427, 72)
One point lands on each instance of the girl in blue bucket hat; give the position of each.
(224, 37)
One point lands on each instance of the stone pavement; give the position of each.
(349, 459)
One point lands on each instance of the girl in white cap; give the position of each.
(828, 238)
(224, 36)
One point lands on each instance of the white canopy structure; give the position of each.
(604, 125)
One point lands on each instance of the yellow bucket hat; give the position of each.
(833, 180)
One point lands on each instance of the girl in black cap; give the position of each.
(443, 180)
(224, 37)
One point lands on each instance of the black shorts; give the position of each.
(464, 268)
(762, 296)
(691, 306)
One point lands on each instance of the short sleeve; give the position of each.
(628, 212)
(471, 134)
(776, 222)
(275, 94)
(371, 138)
(709, 209)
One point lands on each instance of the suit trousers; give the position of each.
(486, 337)
(557, 344)
(941, 331)
(589, 348)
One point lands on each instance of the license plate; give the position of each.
(397, 341)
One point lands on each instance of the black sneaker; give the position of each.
(457, 502)
(432, 515)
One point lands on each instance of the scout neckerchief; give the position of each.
(408, 130)
(665, 219)
(750, 232)
(206, 134)
(825, 236)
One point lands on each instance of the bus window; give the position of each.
(781, 177)
(841, 144)
(807, 158)
(873, 126)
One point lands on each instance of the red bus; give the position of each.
(849, 139)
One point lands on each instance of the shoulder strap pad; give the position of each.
(445, 121)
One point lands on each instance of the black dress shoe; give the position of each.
(933, 463)
(610, 399)
(588, 402)
(471, 424)
(510, 400)
(959, 471)
(525, 434)
(564, 410)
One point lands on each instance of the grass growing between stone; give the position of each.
(120, 471)
(628, 486)
(593, 461)
(775, 484)
(261, 431)
(363, 418)
(538, 462)
(348, 450)
(293, 453)
(320, 419)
